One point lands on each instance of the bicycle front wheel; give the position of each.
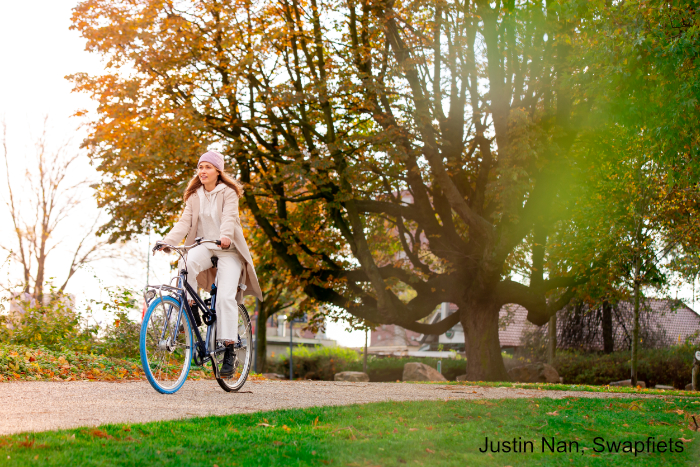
(244, 354)
(166, 347)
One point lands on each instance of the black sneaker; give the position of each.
(228, 366)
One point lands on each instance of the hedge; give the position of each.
(670, 366)
(322, 363)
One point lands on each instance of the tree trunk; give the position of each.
(261, 338)
(364, 355)
(635, 330)
(39, 284)
(608, 342)
(482, 346)
(552, 346)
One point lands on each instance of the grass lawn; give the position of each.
(385, 434)
(575, 387)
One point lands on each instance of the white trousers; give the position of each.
(228, 275)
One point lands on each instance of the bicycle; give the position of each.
(166, 342)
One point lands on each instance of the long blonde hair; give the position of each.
(224, 178)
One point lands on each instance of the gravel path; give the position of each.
(39, 405)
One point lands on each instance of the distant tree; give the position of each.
(46, 198)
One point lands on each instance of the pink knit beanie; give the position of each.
(214, 158)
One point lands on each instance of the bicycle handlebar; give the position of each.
(198, 241)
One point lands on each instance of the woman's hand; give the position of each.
(225, 242)
(160, 247)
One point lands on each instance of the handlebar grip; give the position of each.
(218, 242)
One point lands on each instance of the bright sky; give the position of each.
(36, 55)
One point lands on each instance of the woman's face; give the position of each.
(207, 173)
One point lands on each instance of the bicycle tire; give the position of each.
(244, 354)
(167, 368)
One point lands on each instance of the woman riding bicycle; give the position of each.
(211, 212)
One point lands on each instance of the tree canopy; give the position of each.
(429, 145)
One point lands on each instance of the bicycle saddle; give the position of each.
(215, 261)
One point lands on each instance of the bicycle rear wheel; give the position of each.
(244, 354)
(166, 348)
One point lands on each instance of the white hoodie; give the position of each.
(209, 225)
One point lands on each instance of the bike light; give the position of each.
(150, 295)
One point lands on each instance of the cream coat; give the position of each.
(230, 227)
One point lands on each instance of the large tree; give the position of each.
(384, 145)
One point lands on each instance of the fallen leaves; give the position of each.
(17, 362)
(97, 433)
(555, 413)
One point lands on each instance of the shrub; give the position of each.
(57, 325)
(120, 339)
(322, 363)
(671, 366)
(386, 369)
(54, 324)
(317, 363)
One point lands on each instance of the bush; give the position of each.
(670, 366)
(120, 339)
(322, 363)
(317, 363)
(387, 369)
(57, 325)
(54, 324)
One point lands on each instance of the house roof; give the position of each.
(512, 321)
(676, 321)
